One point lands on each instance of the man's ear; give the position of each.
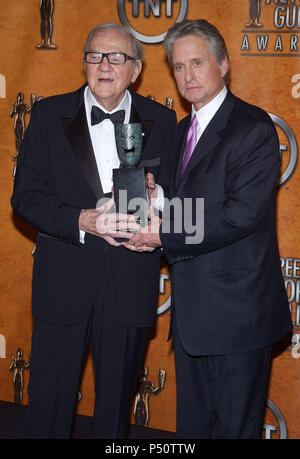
(224, 67)
(137, 70)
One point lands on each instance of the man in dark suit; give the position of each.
(229, 299)
(86, 286)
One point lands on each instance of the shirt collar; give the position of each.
(90, 100)
(206, 113)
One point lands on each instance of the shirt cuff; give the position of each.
(82, 236)
(159, 203)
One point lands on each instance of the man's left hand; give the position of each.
(147, 239)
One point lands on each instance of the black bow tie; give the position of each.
(98, 115)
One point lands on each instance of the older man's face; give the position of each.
(108, 82)
(198, 76)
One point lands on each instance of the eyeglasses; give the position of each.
(92, 57)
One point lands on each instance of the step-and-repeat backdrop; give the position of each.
(41, 45)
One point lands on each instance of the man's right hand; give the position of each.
(106, 225)
(151, 187)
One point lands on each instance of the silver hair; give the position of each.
(203, 29)
(137, 49)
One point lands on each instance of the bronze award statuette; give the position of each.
(129, 180)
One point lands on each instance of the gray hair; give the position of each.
(137, 48)
(203, 29)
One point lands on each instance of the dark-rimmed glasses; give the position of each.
(93, 57)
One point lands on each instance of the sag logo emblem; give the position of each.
(149, 8)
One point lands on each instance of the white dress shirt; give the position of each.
(103, 140)
(206, 113)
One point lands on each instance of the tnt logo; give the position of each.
(289, 145)
(2, 87)
(164, 297)
(275, 425)
(131, 10)
(154, 6)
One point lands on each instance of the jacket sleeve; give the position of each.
(250, 185)
(32, 199)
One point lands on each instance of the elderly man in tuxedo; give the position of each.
(229, 299)
(86, 287)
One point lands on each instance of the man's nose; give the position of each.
(105, 65)
(188, 73)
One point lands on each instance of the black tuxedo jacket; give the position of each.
(56, 178)
(228, 291)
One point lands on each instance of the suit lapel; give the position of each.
(181, 142)
(77, 132)
(209, 139)
(136, 117)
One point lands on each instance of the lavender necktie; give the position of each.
(190, 143)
